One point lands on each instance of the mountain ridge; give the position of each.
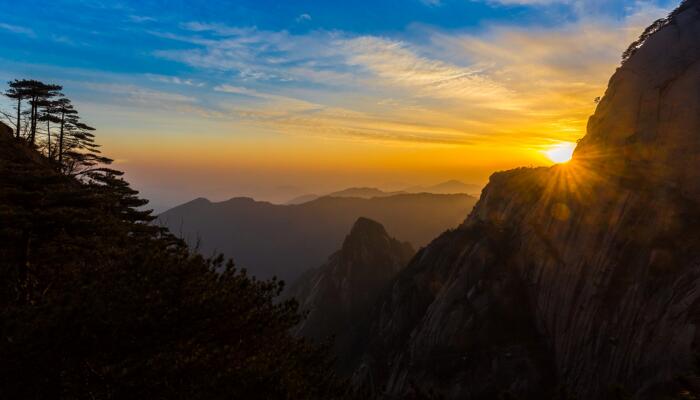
(338, 294)
(448, 187)
(286, 240)
(576, 280)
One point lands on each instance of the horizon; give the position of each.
(403, 199)
(273, 101)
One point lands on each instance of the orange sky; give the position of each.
(323, 110)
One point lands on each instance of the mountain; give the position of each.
(302, 199)
(581, 280)
(286, 240)
(448, 187)
(97, 303)
(363, 193)
(339, 294)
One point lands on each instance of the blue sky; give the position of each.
(316, 95)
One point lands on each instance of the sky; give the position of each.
(273, 99)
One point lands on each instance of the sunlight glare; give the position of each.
(561, 153)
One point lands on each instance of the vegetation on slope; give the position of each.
(97, 303)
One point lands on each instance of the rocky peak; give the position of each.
(365, 234)
(649, 117)
(575, 281)
(340, 294)
(366, 227)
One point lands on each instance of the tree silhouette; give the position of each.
(38, 93)
(18, 91)
(98, 303)
(66, 114)
(49, 114)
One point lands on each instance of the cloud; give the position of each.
(528, 85)
(303, 18)
(394, 63)
(142, 96)
(176, 80)
(273, 101)
(20, 30)
(140, 19)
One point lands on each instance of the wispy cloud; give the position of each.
(527, 84)
(20, 30)
(395, 64)
(141, 96)
(303, 18)
(175, 80)
(140, 19)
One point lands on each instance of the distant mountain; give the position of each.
(363, 193)
(359, 192)
(286, 240)
(448, 187)
(340, 294)
(303, 199)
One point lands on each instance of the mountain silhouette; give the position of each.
(286, 240)
(448, 187)
(574, 281)
(339, 295)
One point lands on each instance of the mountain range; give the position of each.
(448, 187)
(580, 280)
(576, 281)
(287, 240)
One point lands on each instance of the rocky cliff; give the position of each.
(576, 281)
(339, 295)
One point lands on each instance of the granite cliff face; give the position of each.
(577, 281)
(339, 295)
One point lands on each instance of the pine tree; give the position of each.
(18, 91)
(66, 113)
(37, 93)
(49, 114)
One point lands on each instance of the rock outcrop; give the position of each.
(577, 281)
(339, 295)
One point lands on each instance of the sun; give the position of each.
(561, 152)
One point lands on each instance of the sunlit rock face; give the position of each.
(579, 280)
(339, 295)
(649, 117)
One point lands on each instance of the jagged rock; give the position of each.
(338, 296)
(576, 281)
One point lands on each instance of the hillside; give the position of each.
(339, 294)
(448, 187)
(95, 303)
(576, 281)
(286, 240)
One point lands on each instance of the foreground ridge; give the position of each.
(578, 280)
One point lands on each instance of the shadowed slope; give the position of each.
(340, 294)
(578, 280)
